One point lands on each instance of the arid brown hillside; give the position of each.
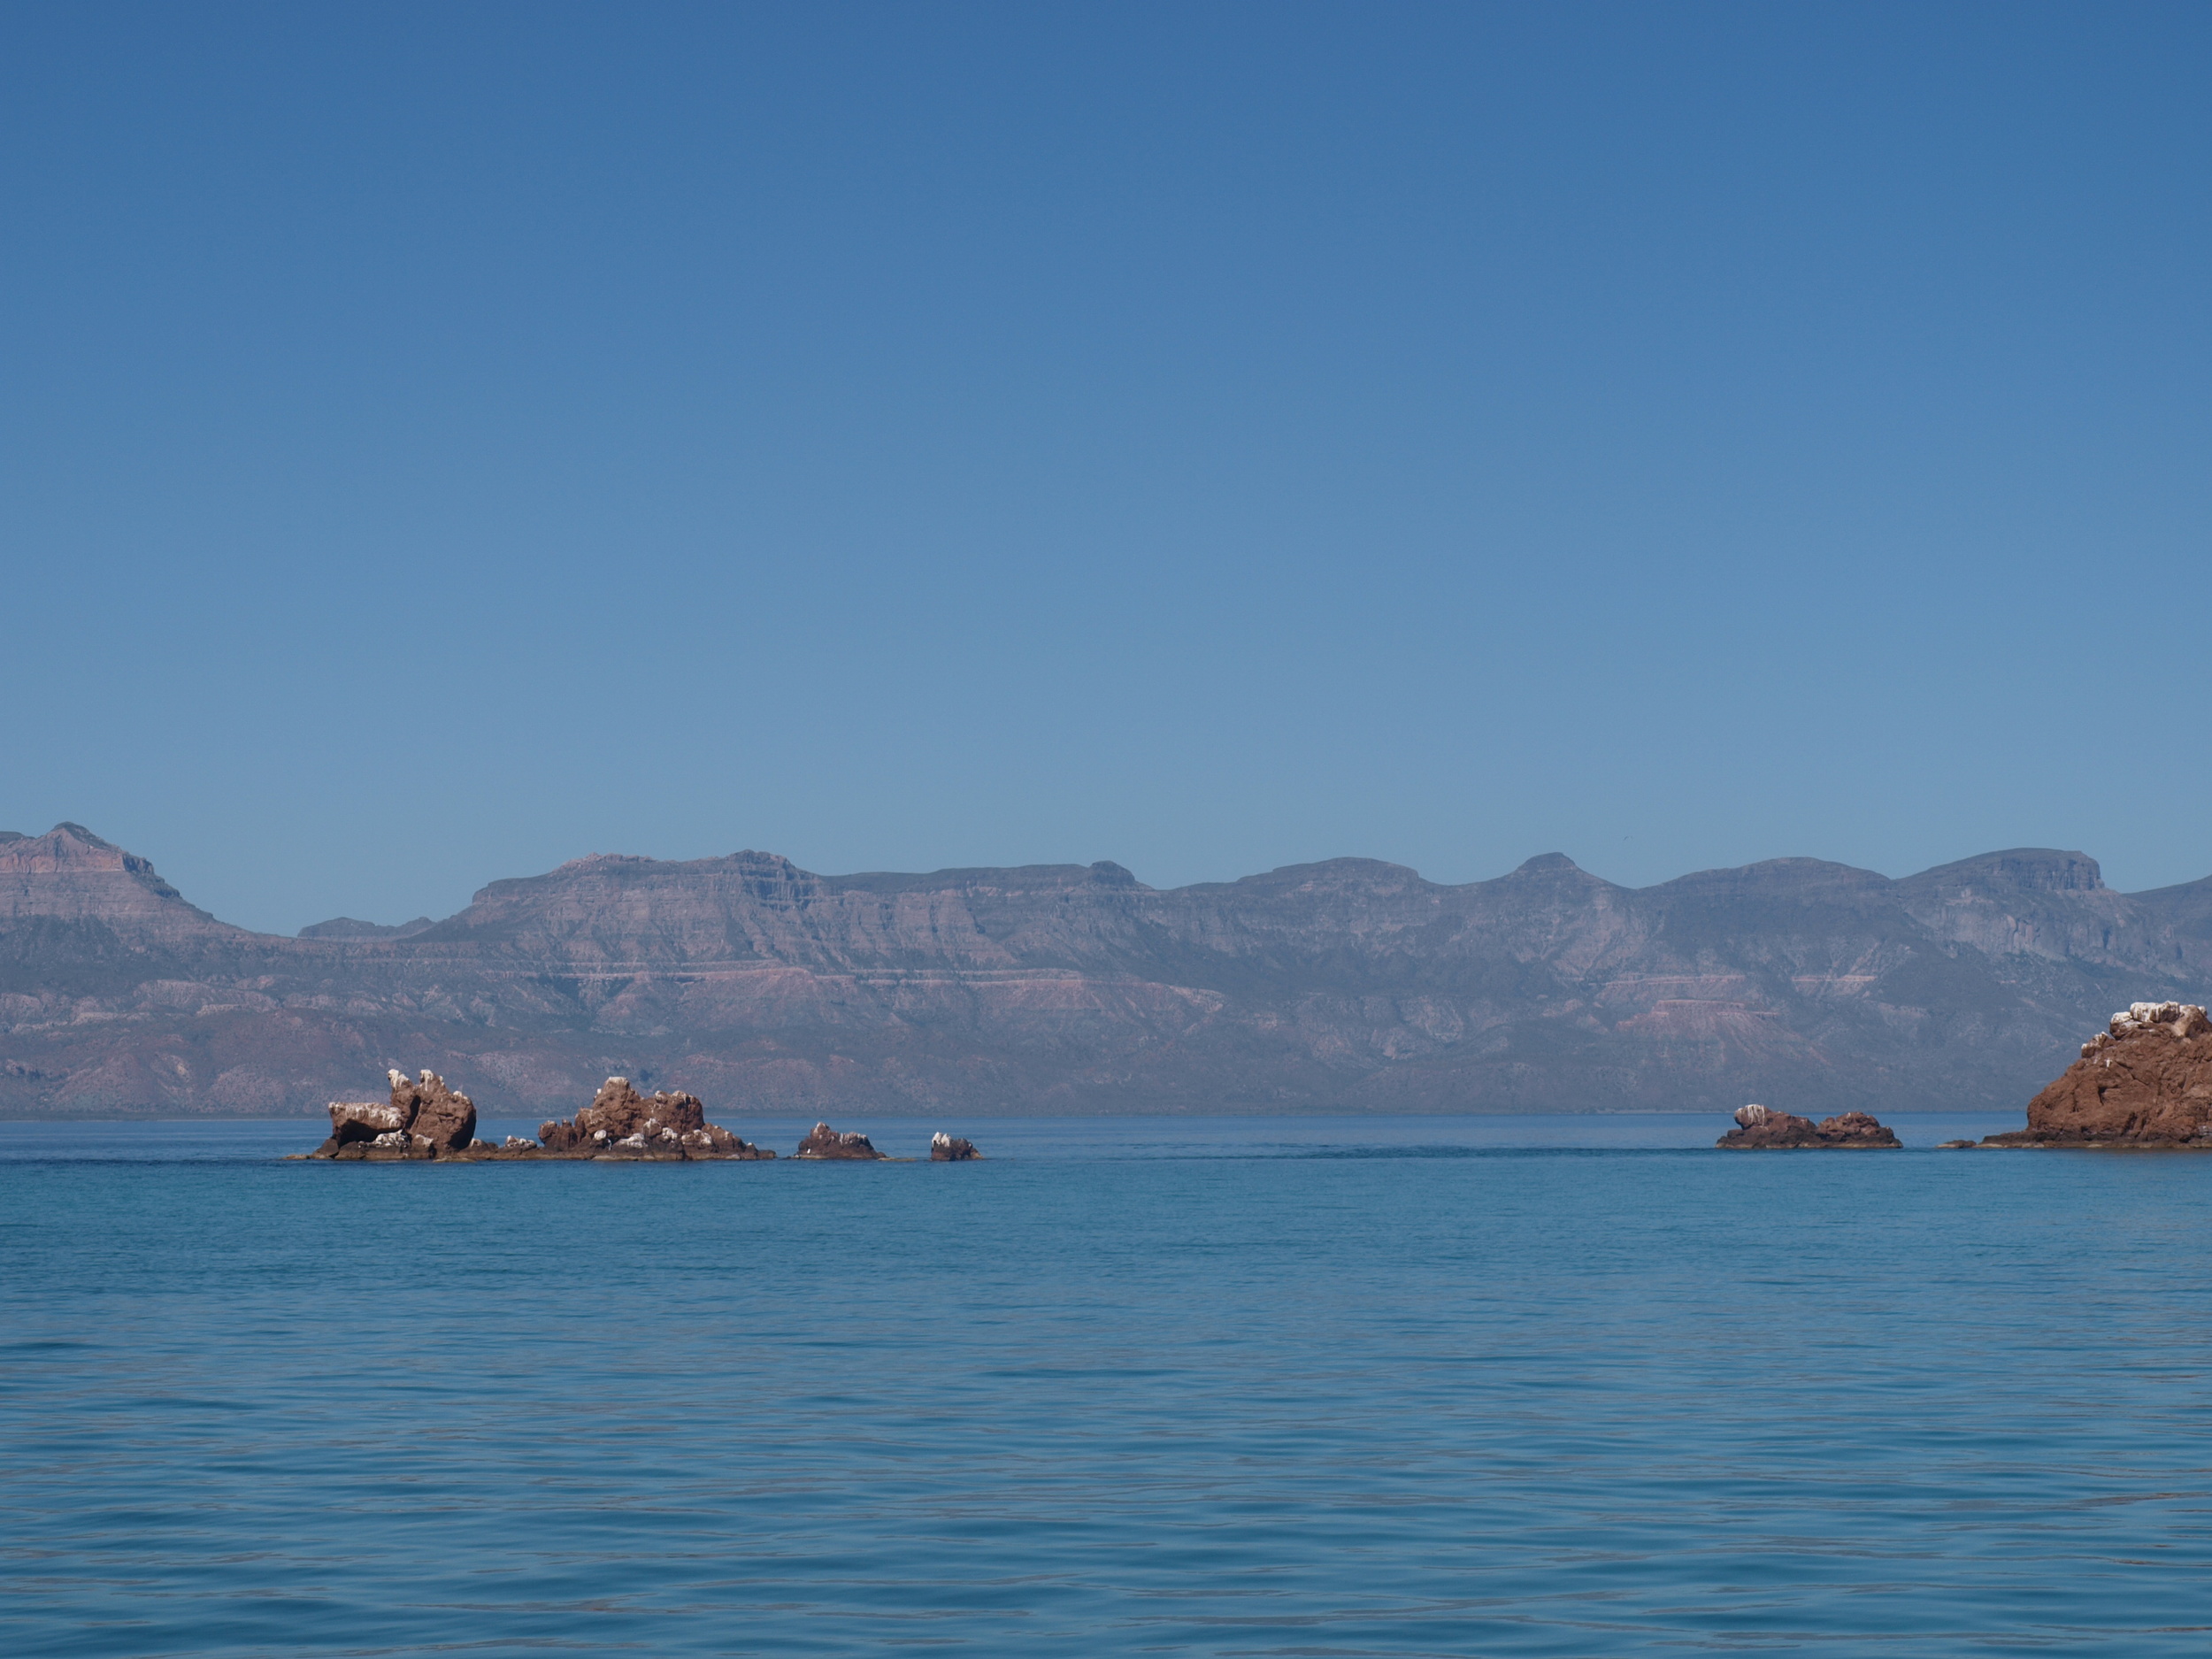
(1350, 984)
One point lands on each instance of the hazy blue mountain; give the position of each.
(353, 927)
(1350, 984)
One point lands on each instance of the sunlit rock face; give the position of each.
(422, 1119)
(425, 1119)
(622, 1124)
(2145, 1079)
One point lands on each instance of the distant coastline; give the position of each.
(1351, 986)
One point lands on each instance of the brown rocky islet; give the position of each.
(426, 1120)
(1758, 1128)
(2144, 1081)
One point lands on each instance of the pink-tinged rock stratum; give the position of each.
(1349, 985)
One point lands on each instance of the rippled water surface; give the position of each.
(1296, 1386)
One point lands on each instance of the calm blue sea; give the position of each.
(1143, 1386)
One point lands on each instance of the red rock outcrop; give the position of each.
(620, 1123)
(436, 1113)
(1758, 1127)
(944, 1148)
(1856, 1129)
(825, 1142)
(2145, 1080)
(422, 1119)
(425, 1119)
(365, 1120)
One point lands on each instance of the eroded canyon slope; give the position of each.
(1349, 985)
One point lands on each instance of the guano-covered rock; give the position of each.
(824, 1142)
(2145, 1080)
(1759, 1127)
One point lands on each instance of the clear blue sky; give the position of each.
(440, 442)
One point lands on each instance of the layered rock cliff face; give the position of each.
(1349, 985)
(2145, 1079)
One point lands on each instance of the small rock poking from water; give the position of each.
(1759, 1127)
(2145, 1080)
(825, 1142)
(944, 1148)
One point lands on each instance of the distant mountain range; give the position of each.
(1349, 984)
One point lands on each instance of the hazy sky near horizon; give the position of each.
(439, 442)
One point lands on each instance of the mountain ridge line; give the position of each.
(1344, 984)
